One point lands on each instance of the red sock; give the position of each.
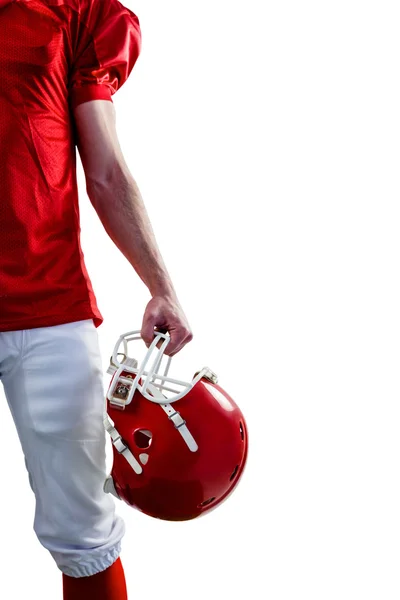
(106, 585)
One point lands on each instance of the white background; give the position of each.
(265, 140)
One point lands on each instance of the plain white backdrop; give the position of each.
(265, 140)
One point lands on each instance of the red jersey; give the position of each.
(54, 55)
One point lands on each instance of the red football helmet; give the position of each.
(177, 453)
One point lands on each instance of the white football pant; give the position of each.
(53, 382)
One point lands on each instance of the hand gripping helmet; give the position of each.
(179, 449)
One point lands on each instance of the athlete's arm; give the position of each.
(116, 198)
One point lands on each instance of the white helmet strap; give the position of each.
(176, 418)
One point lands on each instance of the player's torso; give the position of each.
(35, 53)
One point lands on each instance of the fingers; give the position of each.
(162, 315)
(147, 331)
(178, 339)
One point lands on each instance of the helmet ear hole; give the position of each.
(142, 438)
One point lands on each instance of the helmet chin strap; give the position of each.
(119, 445)
(174, 416)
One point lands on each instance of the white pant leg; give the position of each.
(53, 382)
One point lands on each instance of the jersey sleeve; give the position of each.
(107, 47)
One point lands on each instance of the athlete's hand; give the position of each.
(165, 314)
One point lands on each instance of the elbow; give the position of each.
(107, 179)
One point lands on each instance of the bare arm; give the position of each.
(116, 196)
(117, 200)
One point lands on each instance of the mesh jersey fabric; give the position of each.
(54, 55)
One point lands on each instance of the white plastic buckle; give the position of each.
(177, 419)
(119, 391)
(119, 445)
(129, 362)
(211, 376)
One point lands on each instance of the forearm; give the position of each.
(120, 207)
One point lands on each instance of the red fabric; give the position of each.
(54, 55)
(106, 585)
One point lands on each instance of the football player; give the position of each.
(61, 61)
